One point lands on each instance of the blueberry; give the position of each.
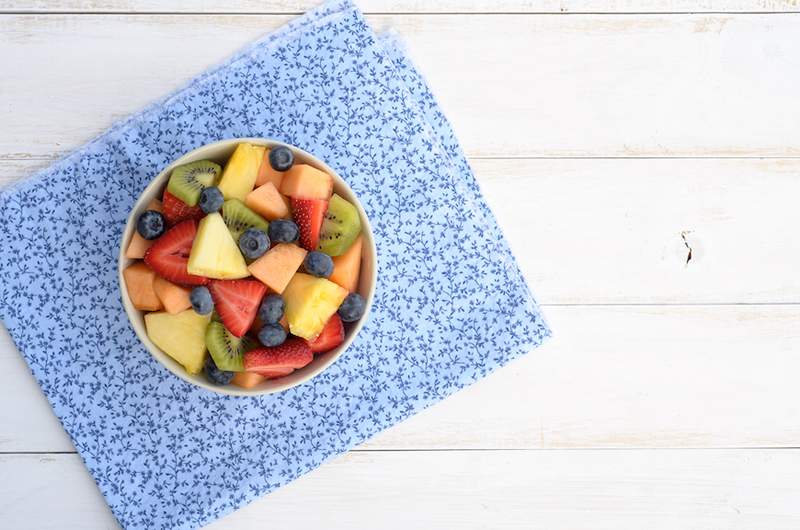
(215, 375)
(352, 308)
(151, 224)
(271, 309)
(200, 297)
(318, 264)
(283, 231)
(272, 335)
(253, 243)
(281, 158)
(211, 200)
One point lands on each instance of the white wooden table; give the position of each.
(619, 136)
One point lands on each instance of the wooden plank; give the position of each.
(404, 6)
(612, 230)
(598, 490)
(612, 377)
(539, 85)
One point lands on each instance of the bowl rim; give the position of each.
(320, 362)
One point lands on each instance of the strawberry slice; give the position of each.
(236, 302)
(279, 361)
(175, 210)
(331, 336)
(308, 214)
(169, 255)
(274, 374)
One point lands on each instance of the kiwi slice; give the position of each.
(188, 180)
(226, 349)
(340, 227)
(239, 218)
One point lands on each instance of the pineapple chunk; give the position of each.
(240, 173)
(215, 253)
(181, 336)
(310, 302)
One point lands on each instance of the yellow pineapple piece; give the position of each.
(310, 302)
(214, 252)
(240, 173)
(181, 336)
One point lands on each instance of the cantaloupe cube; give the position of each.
(139, 245)
(267, 201)
(346, 268)
(307, 182)
(276, 268)
(246, 379)
(139, 279)
(267, 174)
(173, 297)
(155, 205)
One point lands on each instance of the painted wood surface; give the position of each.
(619, 231)
(480, 7)
(552, 490)
(610, 143)
(534, 86)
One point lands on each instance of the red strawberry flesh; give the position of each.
(278, 361)
(236, 302)
(331, 336)
(308, 215)
(169, 255)
(176, 211)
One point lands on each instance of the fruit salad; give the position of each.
(246, 272)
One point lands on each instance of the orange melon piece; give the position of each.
(346, 268)
(139, 279)
(173, 297)
(155, 205)
(247, 379)
(267, 201)
(267, 174)
(276, 268)
(139, 245)
(307, 182)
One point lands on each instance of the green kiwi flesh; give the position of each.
(239, 218)
(188, 180)
(340, 227)
(226, 349)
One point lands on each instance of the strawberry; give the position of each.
(175, 210)
(169, 255)
(308, 215)
(279, 360)
(331, 336)
(236, 302)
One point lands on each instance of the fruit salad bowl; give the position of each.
(196, 263)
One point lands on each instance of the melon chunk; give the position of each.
(347, 267)
(307, 182)
(276, 268)
(247, 379)
(139, 280)
(267, 201)
(214, 252)
(173, 297)
(267, 174)
(181, 336)
(310, 303)
(139, 245)
(240, 173)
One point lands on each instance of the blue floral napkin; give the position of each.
(450, 306)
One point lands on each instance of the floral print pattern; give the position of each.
(451, 305)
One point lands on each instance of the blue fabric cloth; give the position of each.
(451, 305)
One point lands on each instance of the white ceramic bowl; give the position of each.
(220, 152)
